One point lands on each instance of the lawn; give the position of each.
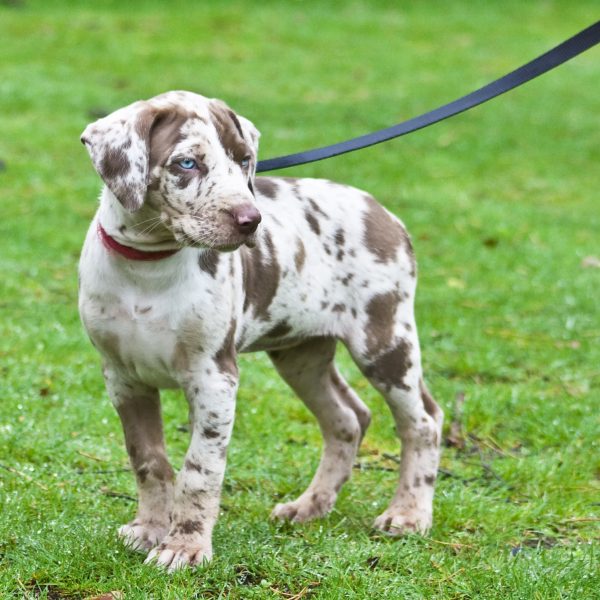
(502, 204)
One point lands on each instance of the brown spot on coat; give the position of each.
(429, 479)
(300, 255)
(190, 465)
(280, 329)
(266, 186)
(229, 131)
(261, 273)
(313, 222)
(188, 527)
(316, 208)
(430, 405)
(236, 122)
(391, 367)
(381, 311)
(115, 163)
(164, 133)
(384, 235)
(226, 356)
(208, 261)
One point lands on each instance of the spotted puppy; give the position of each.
(190, 260)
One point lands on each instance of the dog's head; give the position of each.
(189, 158)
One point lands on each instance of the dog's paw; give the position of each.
(142, 535)
(173, 555)
(400, 522)
(305, 508)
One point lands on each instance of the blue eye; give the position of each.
(245, 162)
(188, 163)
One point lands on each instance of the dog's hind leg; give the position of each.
(310, 371)
(139, 409)
(393, 365)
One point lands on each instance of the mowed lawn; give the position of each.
(503, 206)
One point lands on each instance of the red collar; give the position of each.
(131, 253)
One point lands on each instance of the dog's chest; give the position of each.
(137, 333)
(138, 318)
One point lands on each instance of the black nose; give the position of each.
(246, 218)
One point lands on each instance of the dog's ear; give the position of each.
(237, 134)
(251, 135)
(119, 146)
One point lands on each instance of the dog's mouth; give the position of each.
(218, 233)
(250, 242)
(228, 245)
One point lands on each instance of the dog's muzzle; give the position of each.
(245, 218)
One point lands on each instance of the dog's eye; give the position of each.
(188, 163)
(245, 162)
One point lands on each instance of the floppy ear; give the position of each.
(119, 146)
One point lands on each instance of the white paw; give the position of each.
(140, 535)
(307, 507)
(399, 522)
(175, 555)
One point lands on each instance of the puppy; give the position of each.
(191, 260)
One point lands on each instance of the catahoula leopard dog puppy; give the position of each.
(190, 260)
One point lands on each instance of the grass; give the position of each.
(502, 204)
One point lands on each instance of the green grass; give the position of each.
(502, 203)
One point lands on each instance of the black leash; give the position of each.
(570, 48)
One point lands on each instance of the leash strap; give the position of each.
(570, 48)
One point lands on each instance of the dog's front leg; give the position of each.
(138, 406)
(211, 395)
